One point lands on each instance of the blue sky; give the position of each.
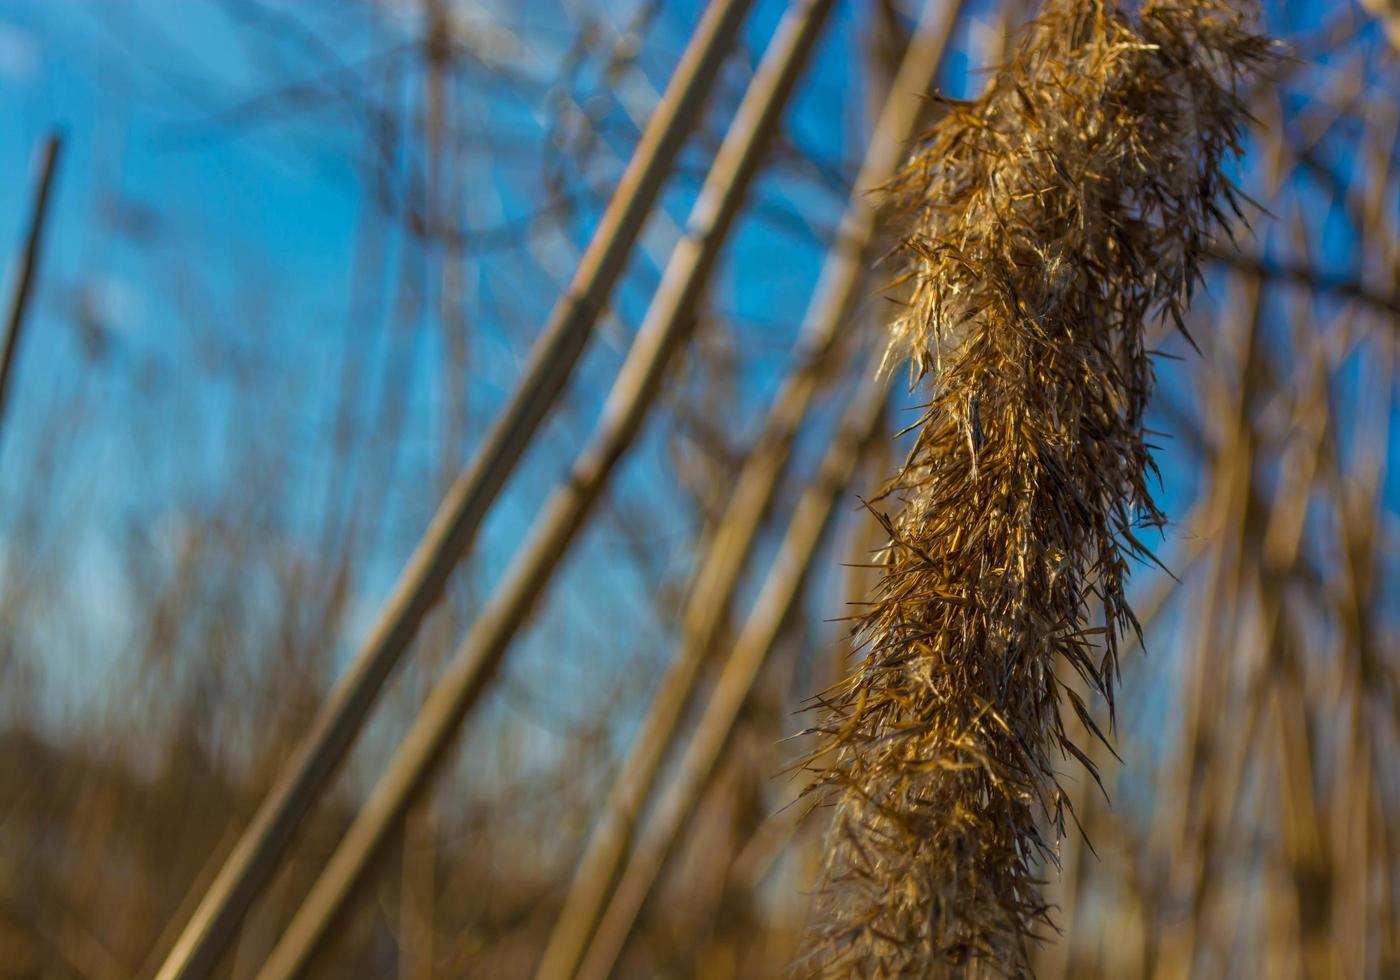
(216, 241)
(205, 240)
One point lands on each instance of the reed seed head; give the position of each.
(1053, 219)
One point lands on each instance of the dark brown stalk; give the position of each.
(29, 264)
(1054, 218)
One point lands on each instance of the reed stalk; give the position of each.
(706, 612)
(669, 321)
(863, 420)
(552, 359)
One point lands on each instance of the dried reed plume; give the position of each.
(1055, 216)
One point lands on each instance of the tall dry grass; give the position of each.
(1053, 219)
(1252, 831)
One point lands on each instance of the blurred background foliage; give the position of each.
(295, 257)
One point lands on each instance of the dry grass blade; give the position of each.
(1054, 218)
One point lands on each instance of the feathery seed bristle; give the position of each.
(1054, 217)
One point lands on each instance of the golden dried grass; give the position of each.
(1053, 218)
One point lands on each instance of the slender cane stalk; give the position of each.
(552, 359)
(706, 610)
(669, 321)
(863, 419)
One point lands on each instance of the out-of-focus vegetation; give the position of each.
(297, 255)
